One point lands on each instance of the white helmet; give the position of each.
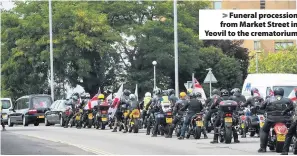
(132, 97)
(148, 94)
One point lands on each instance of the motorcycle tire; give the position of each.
(197, 132)
(102, 126)
(97, 125)
(178, 132)
(228, 135)
(90, 123)
(279, 147)
(135, 126)
(271, 148)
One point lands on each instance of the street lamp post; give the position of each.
(51, 48)
(257, 70)
(154, 64)
(210, 79)
(175, 47)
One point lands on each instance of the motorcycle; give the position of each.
(225, 131)
(277, 136)
(134, 121)
(76, 119)
(88, 118)
(196, 126)
(102, 117)
(168, 117)
(179, 125)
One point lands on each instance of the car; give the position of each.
(56, 113)
(29, 109)
(6, 105)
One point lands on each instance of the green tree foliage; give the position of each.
(283, 61)
(102, 44)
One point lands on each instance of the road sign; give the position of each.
(188, 85)
(210, 78)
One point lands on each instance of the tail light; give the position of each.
(199, 116)
(67, 112)
(228, 115)
(136, 113)
(103, 112)
(34, 111)
(261, 118)
(169, 113)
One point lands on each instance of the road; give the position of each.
(33, 140)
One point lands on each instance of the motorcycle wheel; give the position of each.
(228, 135)
(178, 131)
(90, 123)
(279, 147)
(103, 126)
(197, 132)
(135, 126)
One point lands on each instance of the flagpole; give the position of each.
(51, 48)
(175, 47)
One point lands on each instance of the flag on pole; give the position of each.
(93, 102)
(292, 95)
(198, 88)
(116, 102)
(136, 92)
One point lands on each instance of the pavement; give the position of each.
(49, 140)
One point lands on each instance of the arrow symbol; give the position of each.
(224, 15)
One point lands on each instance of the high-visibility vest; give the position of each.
(165, 100)
(146, 100)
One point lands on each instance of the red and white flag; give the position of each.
(292, 95)
(198, 88)
(116, 102)
(93, 102)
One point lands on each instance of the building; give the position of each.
(265, 45)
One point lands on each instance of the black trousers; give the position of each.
(174, 123)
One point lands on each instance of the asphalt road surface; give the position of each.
(60, 141)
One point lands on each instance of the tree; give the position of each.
(283, 61)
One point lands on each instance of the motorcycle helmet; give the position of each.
(132, 97)
(254, 90)
(101, 96)
(279, 91)
(148, 94)
(157, 91)
(215, 92)
(171, 91)
(127, 92)
(224, 92)
(189, 91)
(192, 95)
(198, 95)
(235, 90)
(182, 94)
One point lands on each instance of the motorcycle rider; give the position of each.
(155, 109)
(177, 113)
(237, 96)
(73, 102)
(224, 96)
(143, 105)
(133, 104)
(172, 97)
(119, 112)
(290, 134)
(254, 99)
(277, 108)
(194, 106)
(215, 99)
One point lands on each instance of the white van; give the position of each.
(6, 107)
(267, 82)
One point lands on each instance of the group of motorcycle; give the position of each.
(244, 120)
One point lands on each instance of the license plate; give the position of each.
(199, 123)
(281, 137)
(242, 125)
(136, 116)
(4, 116)
(261, 124)
(40, 116)
(104, 119)
(228, 119)
(90, 116)
(77, 118)
(169, 120)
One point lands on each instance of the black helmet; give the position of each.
(279, 91)
(165, 92)
(224, 92)
(191, 95)
(157, 91)
(127, 92)
(198, 95)
(215, 91)
(235, 90)
(171, 91)
(254, 90)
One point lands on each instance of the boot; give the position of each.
(243, 133)
(204, 133)
(181, 138)
(263, 142)
(114, 129)
(126, 129)
(284, 153)
(216, 136)
(170, 132)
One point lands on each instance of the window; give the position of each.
(25, 103)
(268, 91)
(5, 104)
(58, 104)
(22, 104)
(257, 45)
(287, 89)
(53, 105)
(62, 105)
(262, 4)
(41, 102)
(281, 45)
(217, 5)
